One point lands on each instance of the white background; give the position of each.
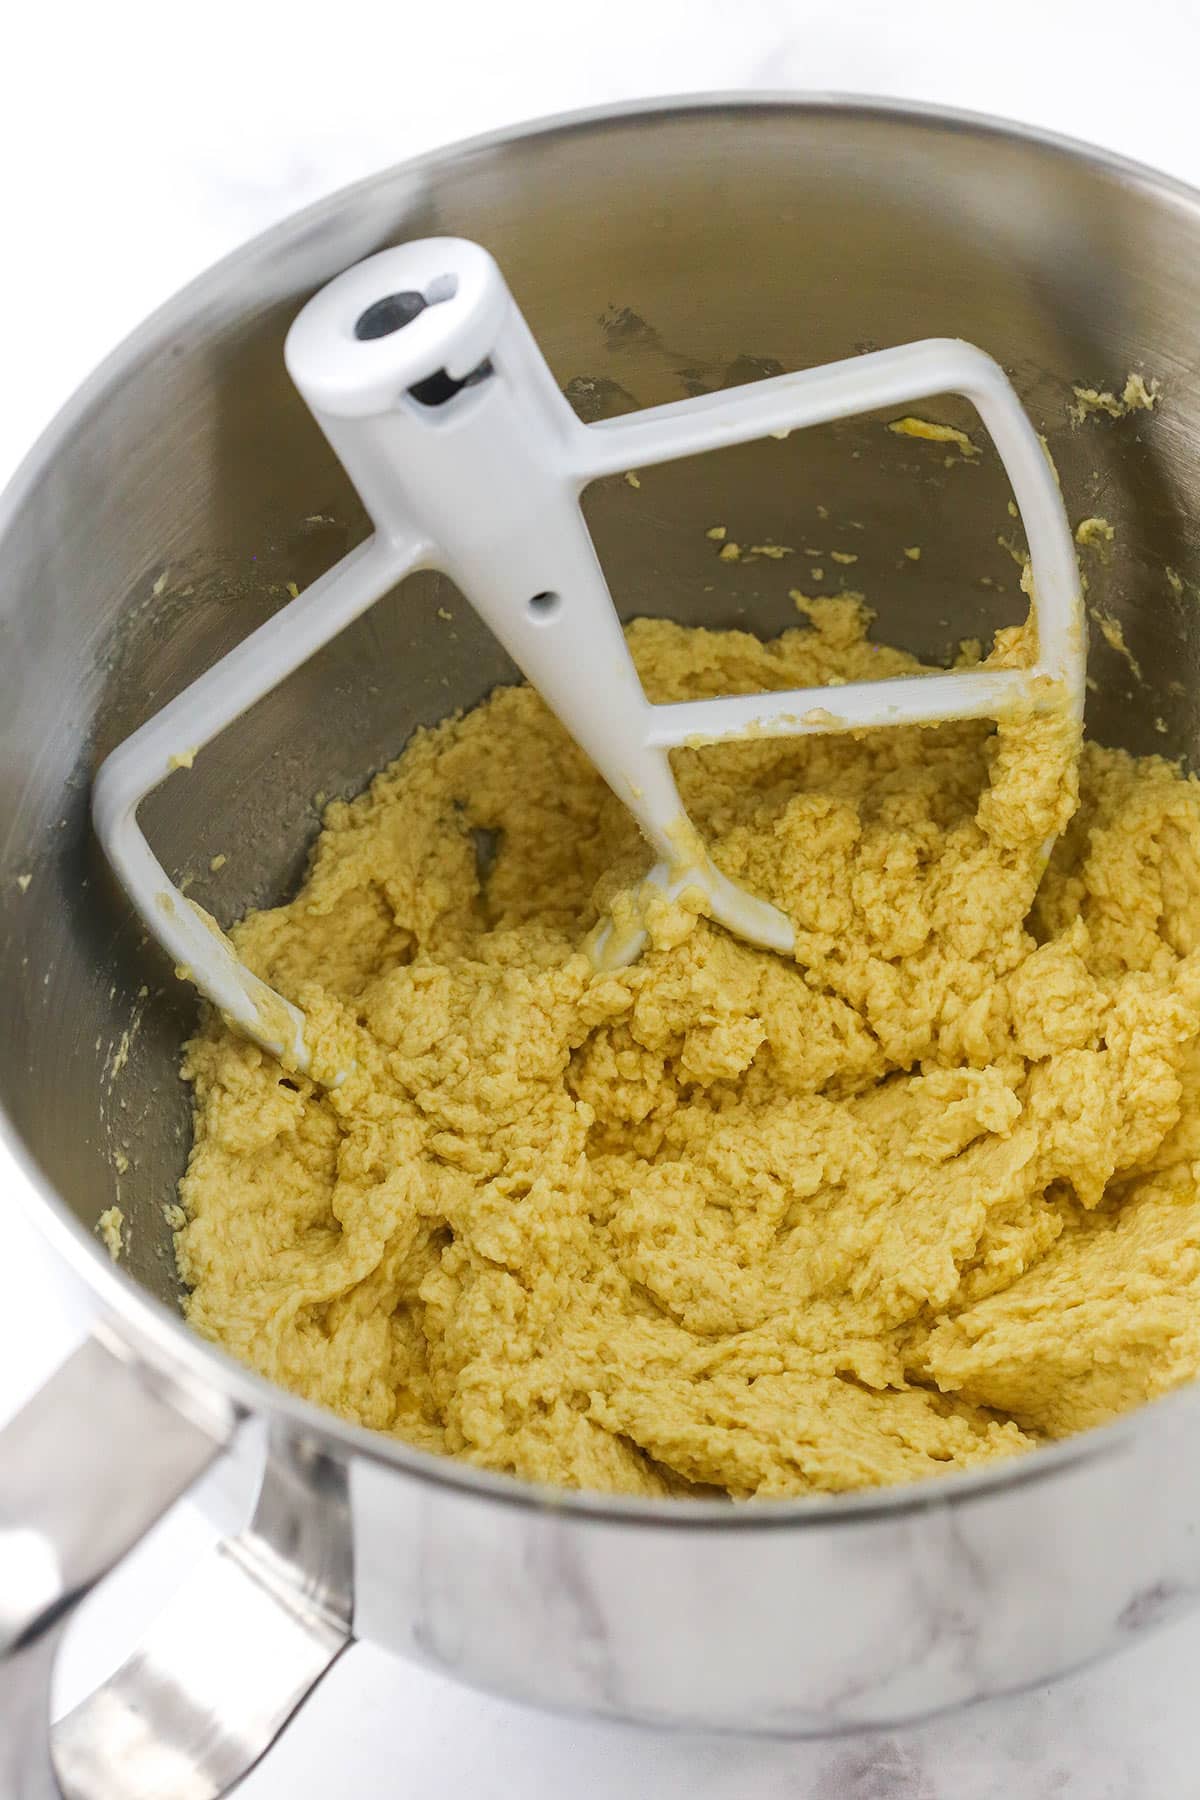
(138, 144)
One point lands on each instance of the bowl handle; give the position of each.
(94, 1459)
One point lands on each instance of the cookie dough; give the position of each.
(920, 1199)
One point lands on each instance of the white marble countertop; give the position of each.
(141, 142)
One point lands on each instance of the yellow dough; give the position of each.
(920, 1199)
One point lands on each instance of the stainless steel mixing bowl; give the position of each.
(656, 253)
